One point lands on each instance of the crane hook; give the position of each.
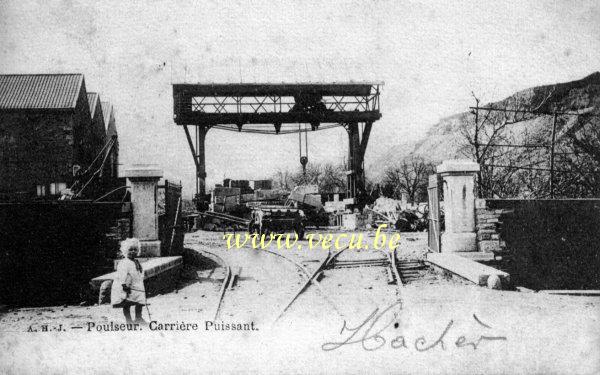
(303, 158)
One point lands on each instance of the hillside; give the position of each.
(445, 139)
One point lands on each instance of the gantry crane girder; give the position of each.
(267, 108)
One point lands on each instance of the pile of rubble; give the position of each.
(397, 214)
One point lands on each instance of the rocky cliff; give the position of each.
(446, 138)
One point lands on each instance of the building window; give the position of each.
(41, 190)
(57, 187)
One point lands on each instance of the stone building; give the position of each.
(97, 116)
(47, 135)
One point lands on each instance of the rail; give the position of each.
(226, 280)
(313, 279)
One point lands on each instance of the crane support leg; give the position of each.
(201, 158)
(357, 145)
(354, 174)
(198, 153)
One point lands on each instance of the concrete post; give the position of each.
(459, 205)
(143, 180)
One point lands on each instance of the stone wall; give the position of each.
(50, 250)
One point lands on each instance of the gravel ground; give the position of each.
(540, 333)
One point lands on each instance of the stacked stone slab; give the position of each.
(488, 225)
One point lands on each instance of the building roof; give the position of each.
(107, 111)
(109, 119)
(40, 91)
(93, 99)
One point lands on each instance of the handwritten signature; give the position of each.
(372, 338)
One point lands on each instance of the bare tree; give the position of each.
(283, 180)
(586, 135)
(333, 178)
(409, 177)
(329, 177)
(312, 176)
(578, 158)
(492, 143)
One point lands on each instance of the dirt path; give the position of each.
(384, 327)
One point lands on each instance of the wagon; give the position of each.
(277, 219)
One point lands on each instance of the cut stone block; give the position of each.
(152, 267)
(150, 248)
(480, 204)
(489, 246)
(467, 268)
(141, 171)
(484, 236)
(494, 282)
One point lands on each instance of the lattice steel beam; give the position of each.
(238, 105)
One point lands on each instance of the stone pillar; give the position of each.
(459, 205)
(143, 181)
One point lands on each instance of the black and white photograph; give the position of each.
(311, 187)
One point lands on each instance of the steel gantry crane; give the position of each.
(277, 109)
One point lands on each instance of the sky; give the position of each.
(430, 55)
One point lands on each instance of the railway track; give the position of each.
(313, 279)
(400, 272)
(232, 274)
(310, 279)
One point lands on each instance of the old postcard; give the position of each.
(324, 187)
